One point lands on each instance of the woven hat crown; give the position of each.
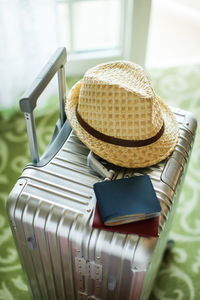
(116, 99)
(114, 111)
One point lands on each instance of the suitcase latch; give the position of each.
(87, 268)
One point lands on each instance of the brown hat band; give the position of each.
(117, 141)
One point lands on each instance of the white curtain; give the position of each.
(28, 37)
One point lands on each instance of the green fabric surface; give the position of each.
(179, 273)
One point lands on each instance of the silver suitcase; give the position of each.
(51, 210)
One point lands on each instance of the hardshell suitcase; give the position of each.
(51, 209)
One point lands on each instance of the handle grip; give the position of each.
(29, 100)
(97, 166)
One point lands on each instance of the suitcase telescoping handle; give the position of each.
(29, 100)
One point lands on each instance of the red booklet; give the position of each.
(147, 228)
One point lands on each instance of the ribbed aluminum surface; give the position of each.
(63, 256)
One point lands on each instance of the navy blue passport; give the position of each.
(126, 200)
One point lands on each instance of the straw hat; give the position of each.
(116, 114)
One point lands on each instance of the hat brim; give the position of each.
(130, 157)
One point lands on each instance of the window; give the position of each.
(93, 31)
(91, 25)
(98, 30)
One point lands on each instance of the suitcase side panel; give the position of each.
(15, 216)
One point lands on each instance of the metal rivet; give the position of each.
(21, 183)
(187, 124)
(88, 210)
(32, 244)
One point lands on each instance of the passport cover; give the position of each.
(126, 200)
(147, 228)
